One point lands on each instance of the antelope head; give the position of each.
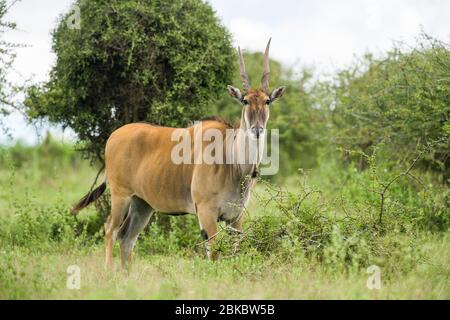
(255, 102)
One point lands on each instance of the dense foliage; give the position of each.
(156, 61)
(402, 99)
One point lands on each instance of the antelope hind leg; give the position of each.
(138, 217)
(118, 209)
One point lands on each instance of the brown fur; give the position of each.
(219, 119)
(258, 110)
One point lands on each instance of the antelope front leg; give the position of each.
(207, 218)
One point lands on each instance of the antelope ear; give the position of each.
(235, 93)
(277, 93)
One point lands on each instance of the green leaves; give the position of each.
(402, 99)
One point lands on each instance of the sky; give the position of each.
(323, 34)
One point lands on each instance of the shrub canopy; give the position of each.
(402, 100)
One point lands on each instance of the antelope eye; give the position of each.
(245, 102)
(268, 101)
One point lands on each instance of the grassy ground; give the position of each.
(43, 275)
(34, 258)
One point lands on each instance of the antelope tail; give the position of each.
(89, 198)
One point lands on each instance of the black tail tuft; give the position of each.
(90, 197)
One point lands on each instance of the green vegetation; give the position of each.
(312, 239)
(402, 100)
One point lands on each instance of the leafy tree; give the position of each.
(402, 100)
(158, 61)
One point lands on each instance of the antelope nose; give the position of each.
(257, 131)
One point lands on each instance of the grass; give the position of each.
(43, 275)
(322, 253)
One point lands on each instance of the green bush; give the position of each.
(39, 227)
(339, 223)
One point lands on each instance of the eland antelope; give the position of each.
(143, 178)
